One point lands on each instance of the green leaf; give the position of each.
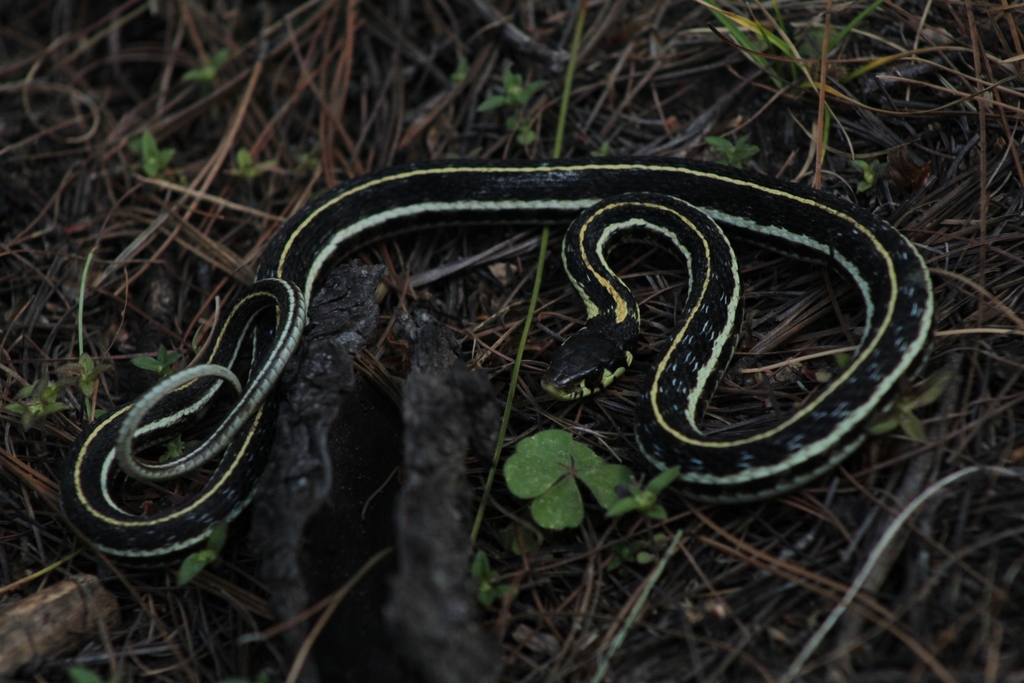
(51, 408)
(531, 89)
(79, 674)
(602, 481)
(870, 172)
(623, 506)
(193, 564)
(644, 557)
(656, 512)
(843, 360)
(545, 467)
(526, 136)
(247, 168)
(931, 389)
(658, 484)
(147, 363)
(736, 153)
(33, 403)
(884, 424)
(208, 72)
(912, 426)
(481, 567)
(539, 462)
(510, 80)
(492, 102)
(162, 365)
(488, 594)
(461, 70)
(154, 159)
(175, 448)
(560, 507)
(719, 143)
(218, 537)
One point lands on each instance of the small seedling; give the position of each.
(640, 551)
(633, 552)
(154, 159)
(735, 153)
(545, 468)
(604, 150)
(901, 414)
(35, 402)
(517, 96)
(86, 374)
(645, 500)
(162, 365)
(206, 74)
(870, 172)
(197, 561)
(489, 591)
(247, 168)
(175, 448)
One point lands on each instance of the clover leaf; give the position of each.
(545, 468)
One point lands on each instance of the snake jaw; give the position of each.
(586, 363)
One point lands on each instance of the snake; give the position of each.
(690, 208)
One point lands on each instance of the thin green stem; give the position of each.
(563, 112)
(570, 73)
(81, 302)
(512, 383)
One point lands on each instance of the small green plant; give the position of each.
(154, 159)
(734, 154)
(175, 448)
(197, 561)
(162, 365)
(517, 96)
(545, 468)
(633, 552)
(901, 414)
(36, 402)
(79, 674)
(247, 168)
(461, 71)
(644, 500)
(206, 74)
(85, 374)
(870, 172)
(604, 150)
(489, 591)
(801, 53)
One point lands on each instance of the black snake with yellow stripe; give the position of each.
(679, 203)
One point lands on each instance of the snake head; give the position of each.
(586, 363)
